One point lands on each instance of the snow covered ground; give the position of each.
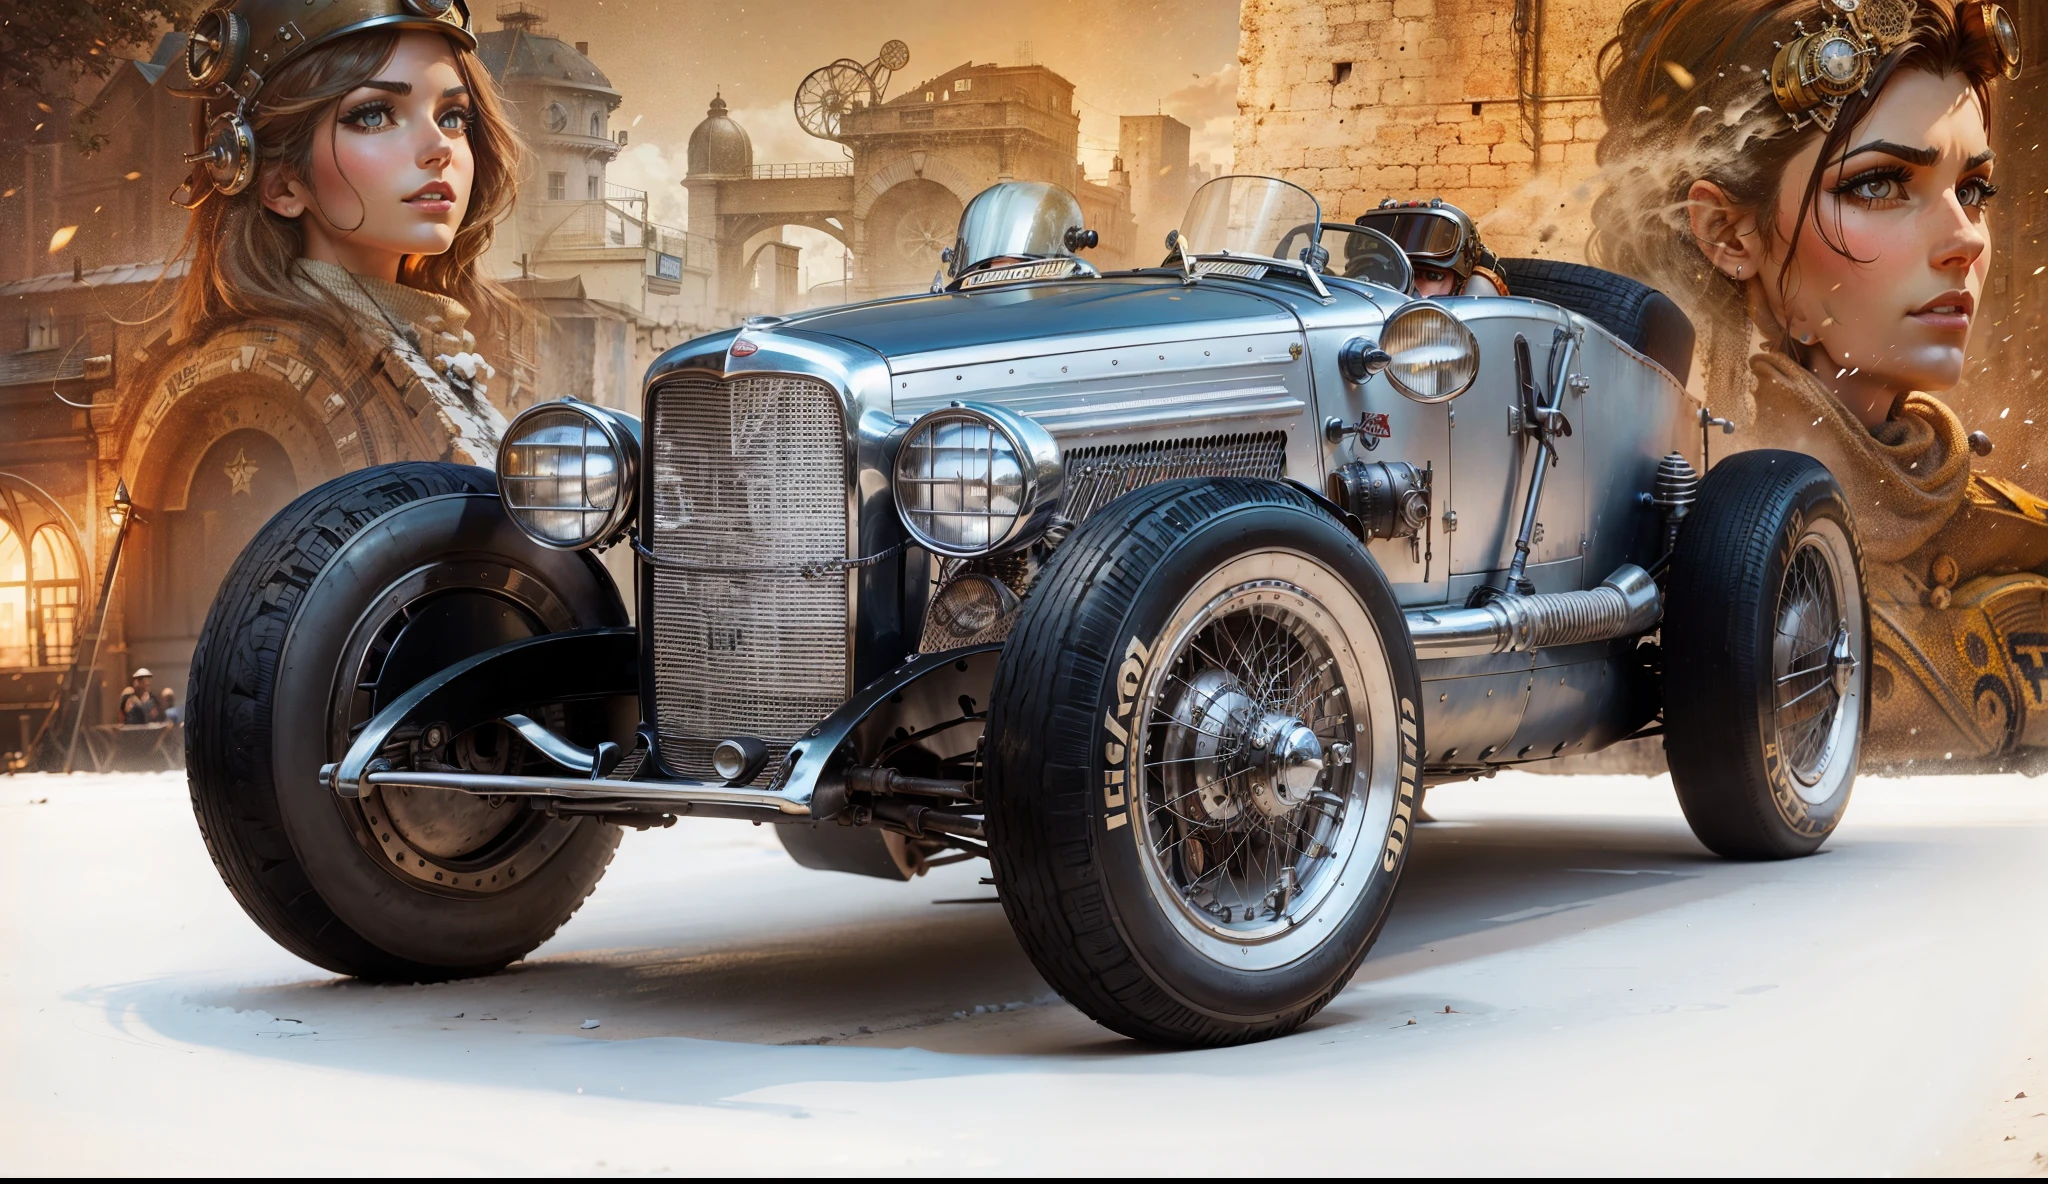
(1569, 985)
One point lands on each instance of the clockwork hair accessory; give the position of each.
(1991, 22)
(236, 45)
(1815, 72)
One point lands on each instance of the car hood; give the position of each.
(921, 332)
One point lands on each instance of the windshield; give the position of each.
(1251, 216)
(1015, 222)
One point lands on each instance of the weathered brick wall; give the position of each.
(1357, 101)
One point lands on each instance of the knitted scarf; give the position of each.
(1905, 478)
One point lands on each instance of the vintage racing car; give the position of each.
(1166, 591)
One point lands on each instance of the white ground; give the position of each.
(1569, 985)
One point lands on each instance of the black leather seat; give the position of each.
(1635, 312)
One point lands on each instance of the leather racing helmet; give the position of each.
(237, 45)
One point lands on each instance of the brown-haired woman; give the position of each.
(382, 162)
(1827, 231)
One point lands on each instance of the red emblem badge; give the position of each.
(741, 347)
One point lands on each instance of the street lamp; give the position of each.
(121, 508)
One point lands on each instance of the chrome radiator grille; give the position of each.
(749, 476)
(1097, 476)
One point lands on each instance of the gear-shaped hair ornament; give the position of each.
(1815, 72)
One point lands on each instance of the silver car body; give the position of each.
(769, 451)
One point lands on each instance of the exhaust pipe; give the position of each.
(1625, 603)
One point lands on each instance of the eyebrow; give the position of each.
(454, 91)
(396, 88)
(1982, 158)
(1920, 156)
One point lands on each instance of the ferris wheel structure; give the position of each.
(828, 93)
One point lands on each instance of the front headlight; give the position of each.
(972, 479)
(1433, 357)
(567, 472)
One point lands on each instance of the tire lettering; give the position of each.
(1411, 784)
(1130, 675)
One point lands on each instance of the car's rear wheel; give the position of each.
(1766, 657)
(352, 594)
(1202, 762)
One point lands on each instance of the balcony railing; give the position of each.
(803, 171)
(588, 225)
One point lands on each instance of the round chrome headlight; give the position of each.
(973, 479)
(566, 472)
(1433, 357)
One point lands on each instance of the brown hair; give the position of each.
(242, 256)
(1686, 94)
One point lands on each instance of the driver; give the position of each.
(1443, 244)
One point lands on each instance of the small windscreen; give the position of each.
(1418, 232)
(1363, 253)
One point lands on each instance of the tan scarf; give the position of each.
(1905, 478)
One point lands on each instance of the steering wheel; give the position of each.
(1373, 257)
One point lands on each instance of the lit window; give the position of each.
(964, 85)
(53, 567)
(558, 186)
(14, 631)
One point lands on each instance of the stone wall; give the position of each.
(1357, 101)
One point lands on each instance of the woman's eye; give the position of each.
(369, 117)
(1878, 189)
(455, 119)
(1976, 191)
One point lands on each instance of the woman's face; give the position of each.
(392, 170)
(1891, 311)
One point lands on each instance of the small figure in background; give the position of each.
(168, 709)
(138, 704)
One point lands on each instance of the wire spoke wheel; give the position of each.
(1811, 661)
(1765, 657)
(1259, 727)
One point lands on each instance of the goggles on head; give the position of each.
(237, 45)
(1430, 233)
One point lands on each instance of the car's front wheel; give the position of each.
(352, 594)
(1203, 750)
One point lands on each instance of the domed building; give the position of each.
(562, 100)
(720, 147)
(612, 289)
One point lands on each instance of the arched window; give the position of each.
(53, 568)
(596, 124)
(14, 630)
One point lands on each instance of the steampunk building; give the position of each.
(913, 162)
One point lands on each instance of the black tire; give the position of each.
(1763, 725)
(345, 569)
(1080, 868)
(1633, 311)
